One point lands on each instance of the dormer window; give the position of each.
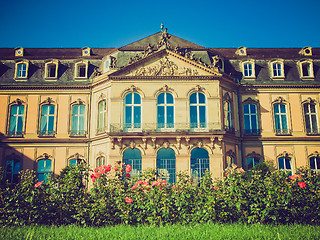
(22, 69)
(18, 52)
(51, 70)
(81, 70)
(248, 69)
(277, 68)
(86, 52)
(241, 51)
(306, 68)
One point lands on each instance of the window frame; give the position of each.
(244, 70)
(17, 74)
(281, 131)
(312, 131)
(286, 156)
(171, 177)
(198, 126)
(48, 71)
(14, 159)
(48, 157)
(251, 131)
(230, 158)
(228, 124)
(78, 133)
(132, 126)
(272, 69)
(17, 102)
(166, 126)
(316, 157)
(310, 70)
(200, 161)
(77, 70)
(47, 133)
(253, 156)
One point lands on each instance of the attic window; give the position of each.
(277, 69)
(81, 70)
(306, 69)
(19, 52)
(241, 51)
(306, 51)
(51, 69)
(21, 70)
(86, 51)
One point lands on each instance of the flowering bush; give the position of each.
(262, 195)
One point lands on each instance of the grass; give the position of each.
(201, 231)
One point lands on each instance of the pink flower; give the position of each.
(134, 187)
(302, 184)
(295, 176)
(116, 167)
(128, 200)
(128, 168)
(174, 187)
(216, 188)
(38, 184)
(127, 175)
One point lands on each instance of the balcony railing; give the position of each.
(283, 131)
(77, 133)
(46, 133)
(312, 131)
(154, 127)
(252, 132)
(15, 133)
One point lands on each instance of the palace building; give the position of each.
(160, 102)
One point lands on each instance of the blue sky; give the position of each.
(98, 23)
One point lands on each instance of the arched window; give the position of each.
(285, 163)
(132, 112)
(16, 121)
(102, 112)
(252, 162)
(281, 118)
(250, 116)
(51, 69)
(311, 119)
(22, 69)
(100, 161)
(165, 111)
(44, 169)
(315, 163)
(12, 169)
(47, 120)
(132, 156)
(166, 164)
(199, 163)
(198, 112)
(81, 70)
(78, 120)
(277, 68)
(228, 116)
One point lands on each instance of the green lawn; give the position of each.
(177, 232)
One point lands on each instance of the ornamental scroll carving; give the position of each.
(165, 67)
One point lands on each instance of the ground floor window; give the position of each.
(199, 163)
(166, 164)
(132, 156)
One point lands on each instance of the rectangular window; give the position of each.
(21, 70)
(52, 68)
(82, 69)
(47, 120)
(250, 119)
(280, 118)
(44, 170)
(78, 120)
(277, 70)
(16, 120)
(311, 119)
(306, 70)
(12, 170)
(102, 110)
(248, 72)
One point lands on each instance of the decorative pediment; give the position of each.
(44, 156)
(285, 155)
(279, 100)
(48, 100)
(166, 63)
(254, 155)
(18, 101)
(310, 101)
(79, 101)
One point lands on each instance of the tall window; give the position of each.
(52, 70)
(12, 170)
(250, 119)
(132, 156)
(78, 120)
(100, 161)
(102, 111)
(44, 169)
(165, 110)
(21, 70)
(311, 119)
(47, 120)
(277, 69)
(228, 116)
(248, 69)
(166, 164)
(199, 163)
(132, 112)
(198, 111)
(81, 70)
(16, 120)
(285, 164)
(306, 69)
(315, 163)
(252, 162)
(280, 118)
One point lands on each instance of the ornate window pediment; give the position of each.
(280, 100)
(249, 100)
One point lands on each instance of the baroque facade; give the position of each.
(160, 102)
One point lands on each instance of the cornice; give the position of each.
(41, 87)
(246, 86)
